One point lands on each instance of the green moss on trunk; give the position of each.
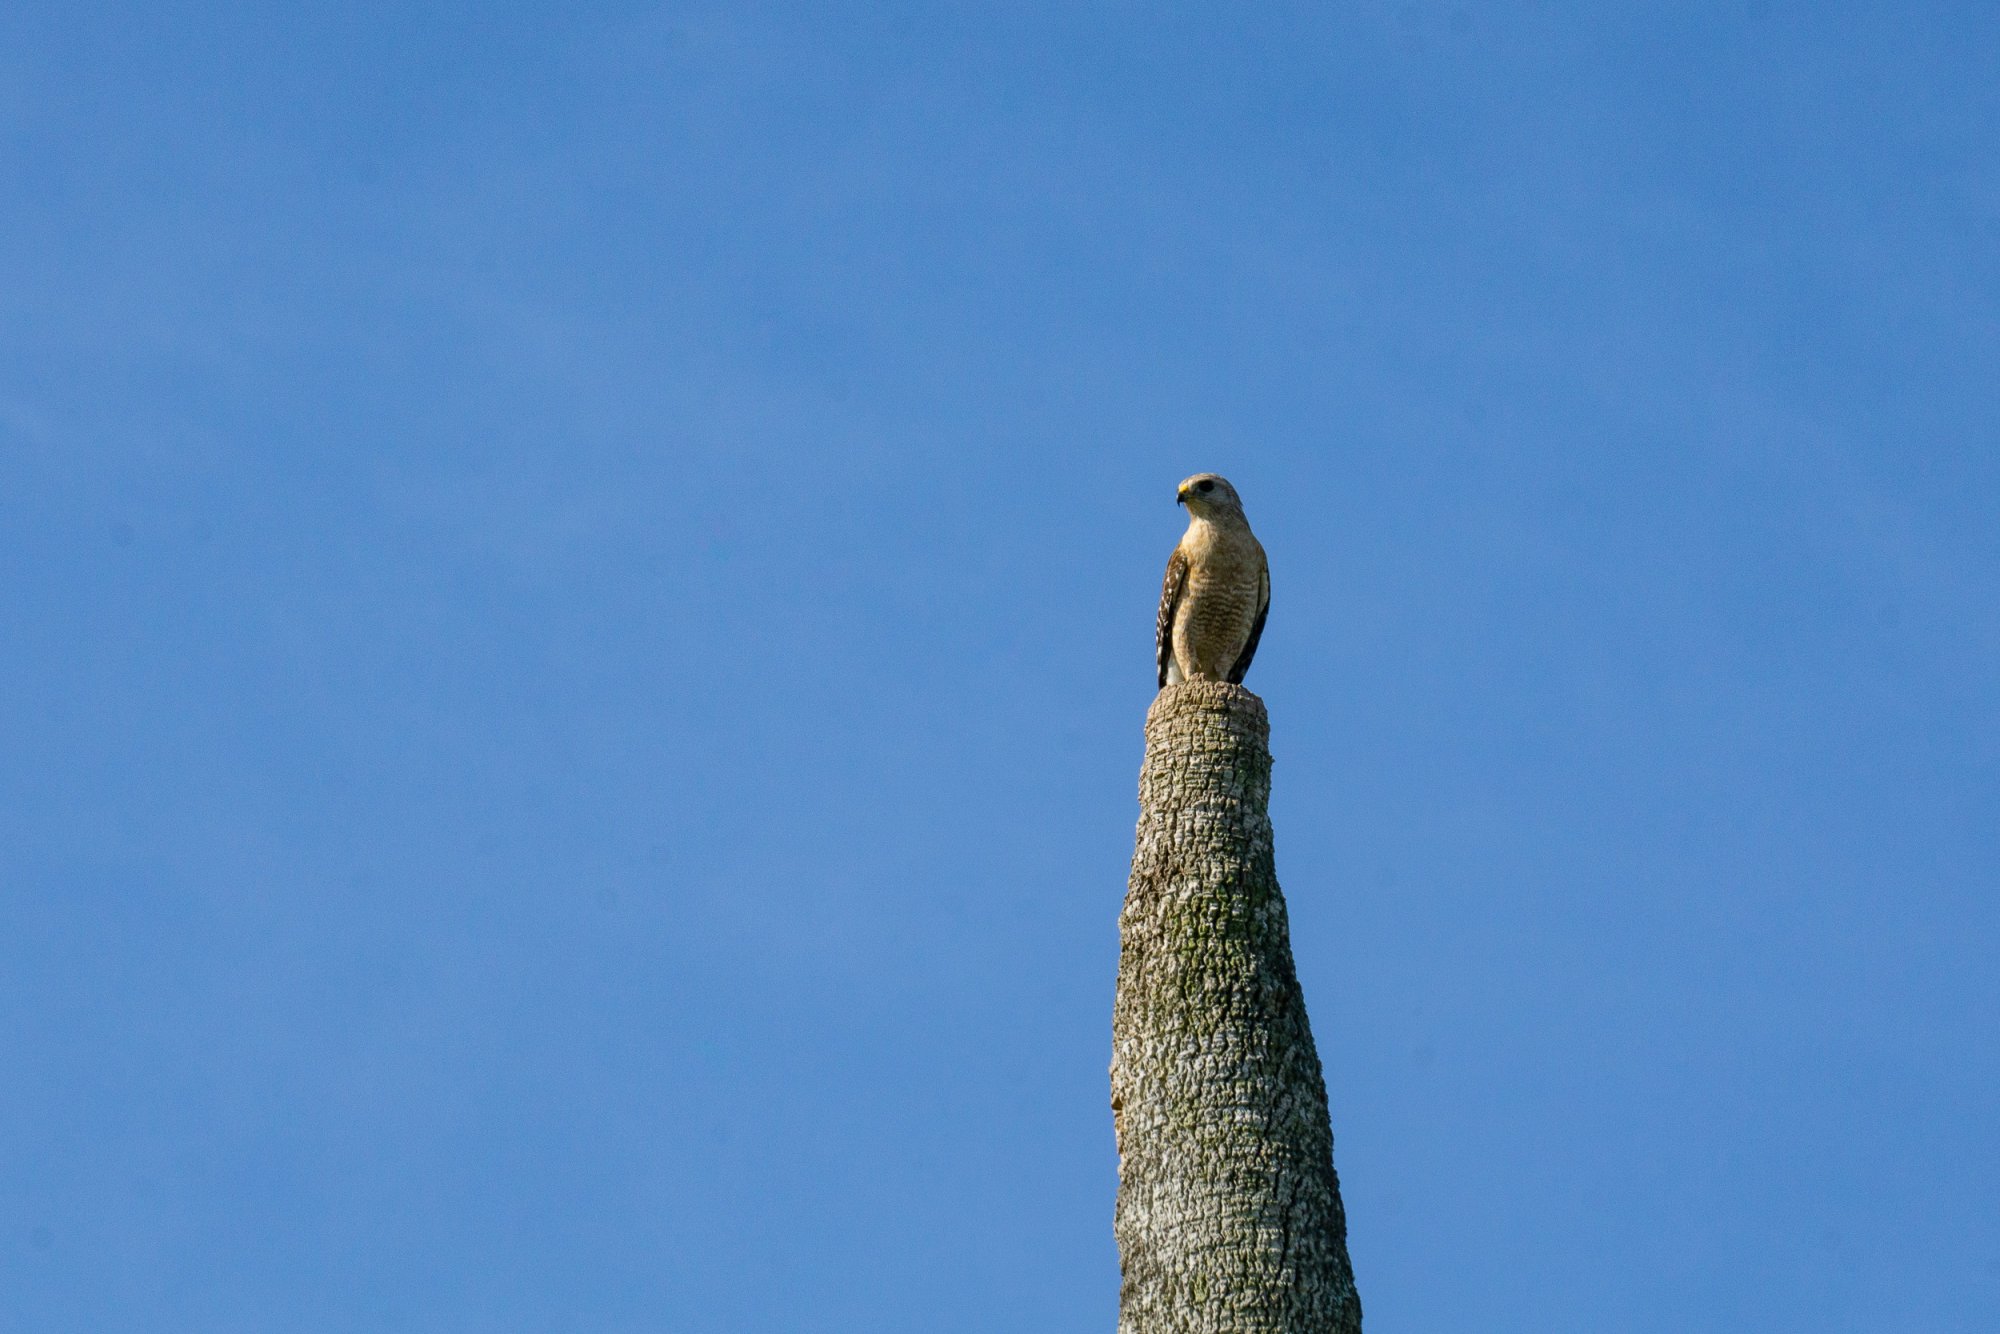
(1229, 1218)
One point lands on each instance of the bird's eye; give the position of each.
(1204, 486)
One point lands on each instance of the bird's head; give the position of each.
(1210, 497)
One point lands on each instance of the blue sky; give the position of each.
(579, 590)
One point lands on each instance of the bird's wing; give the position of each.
(1170, 601)
(1242, 666)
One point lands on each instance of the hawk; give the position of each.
(1217, 591)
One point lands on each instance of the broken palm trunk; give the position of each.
(1229, 1218)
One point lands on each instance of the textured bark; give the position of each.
(1229, 1218)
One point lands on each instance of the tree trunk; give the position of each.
(1229, 1218)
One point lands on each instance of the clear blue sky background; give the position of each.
(578, 590)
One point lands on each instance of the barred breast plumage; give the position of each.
(1217, 590)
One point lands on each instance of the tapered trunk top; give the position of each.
(1229, 1218)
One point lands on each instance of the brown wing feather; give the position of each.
(1242, 666)
(1170, 601)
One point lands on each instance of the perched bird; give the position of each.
(1217, 591)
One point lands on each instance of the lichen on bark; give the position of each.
(1229, 1218)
